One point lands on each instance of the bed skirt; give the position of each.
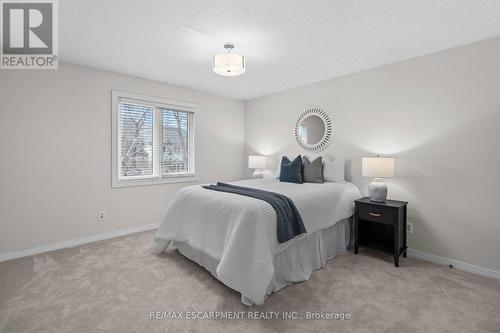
(296, 262)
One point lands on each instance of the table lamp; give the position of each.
(257, 163)
(378, 168)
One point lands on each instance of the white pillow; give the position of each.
(334, 170)
(278, 168)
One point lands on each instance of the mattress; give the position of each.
(239, 232)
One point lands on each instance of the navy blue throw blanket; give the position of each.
(290, 222)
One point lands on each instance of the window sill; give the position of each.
(148, 182)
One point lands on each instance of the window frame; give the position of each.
(118, 96)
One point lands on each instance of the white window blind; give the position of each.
(177, 143)
(135, 140)
(152, 140)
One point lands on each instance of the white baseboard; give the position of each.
(456, 264)
(90, 239)
(76, 242)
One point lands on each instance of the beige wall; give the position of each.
(439, 115)
(55, 148)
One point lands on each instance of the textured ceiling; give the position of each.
(286, 43)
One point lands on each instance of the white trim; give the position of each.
(153, 101)
(123, 232)
(456, 264)
(156, 181)
(76, 242)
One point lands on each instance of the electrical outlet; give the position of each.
(409, 227)
(101, 215)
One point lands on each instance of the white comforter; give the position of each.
(240, 232)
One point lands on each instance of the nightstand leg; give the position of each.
(404, 254)
(356, 249)
(396, 261)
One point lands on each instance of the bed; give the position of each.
(235, 238)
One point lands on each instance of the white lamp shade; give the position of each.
(229, 64)
(378, 167)
(257, 162)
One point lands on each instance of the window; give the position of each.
(153, 140)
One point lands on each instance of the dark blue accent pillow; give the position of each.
(291, 171)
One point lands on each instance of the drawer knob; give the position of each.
(375, 214)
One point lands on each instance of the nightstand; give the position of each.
(381, 226)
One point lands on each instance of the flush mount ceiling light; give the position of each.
(229, 64)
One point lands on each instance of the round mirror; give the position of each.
(314, 130)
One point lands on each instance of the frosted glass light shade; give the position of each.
(378, 167)
(257, 162)
(229, 64)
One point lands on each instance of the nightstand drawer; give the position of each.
(376, 214)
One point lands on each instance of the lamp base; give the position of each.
(257, 173)
(377, 190)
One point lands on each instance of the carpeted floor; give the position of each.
(113, 285)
